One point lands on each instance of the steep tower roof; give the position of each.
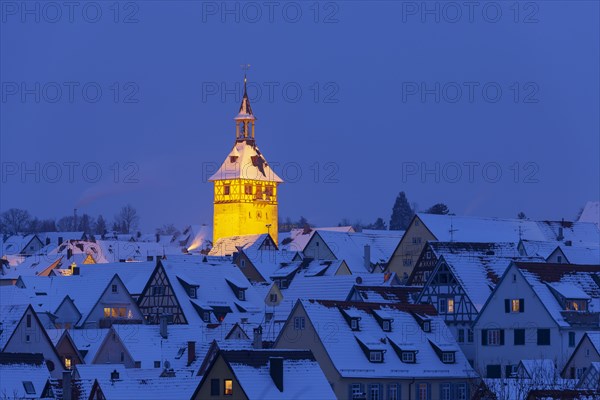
(245, 112)
(245, 161)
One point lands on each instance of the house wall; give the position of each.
(409, 249)
(67, 315)
(585, 354)
(33, 340)
(220, 371)
(309, 339)
(109, 299)
(535, 316)
(317, 248)
(66, 350)
(274, 290)
(110, 352)
(248, 269)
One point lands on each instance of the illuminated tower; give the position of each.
(245, 188)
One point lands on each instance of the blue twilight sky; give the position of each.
(490, 107)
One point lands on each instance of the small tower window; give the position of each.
(226, 190)
(248, 189)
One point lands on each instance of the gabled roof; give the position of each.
(477, 267)
(449, 228)
(245, 161)
(350, 246)
(591, 213)
(214, 291)
(232, 244)
(349, 358)
(386, 294)
(21, 371)
(302, 375)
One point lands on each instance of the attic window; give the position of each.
(192, 292)
(28, 385)
(114, 288)
(448, 357)
(408, 357)
(376, 356)
(426, 326)
(385, 325)
(575, 305)
(242, 294)
(354, 324)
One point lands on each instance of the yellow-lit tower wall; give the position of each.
(245, 187)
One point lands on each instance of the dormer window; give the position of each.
(448, 357)
(192, 292)
(408, 357)
(575, 305)
(426, 326)
(354, 324)
(385, 325)
(376, 356)
(206, 316)
(352, 318)
(242, 295)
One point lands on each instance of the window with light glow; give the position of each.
(228, 387)
(67, 363)
(450, 305)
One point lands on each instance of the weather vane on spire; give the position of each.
(245, 67)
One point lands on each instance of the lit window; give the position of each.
(67, 363)
(515, 305)
(106, 312)
(422, 391)
(228, 387)
(450, 306)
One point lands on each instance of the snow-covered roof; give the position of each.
(482, 229)
(10, 315)
(245, 161)
(231, 244)
(31, 266)
(336, 287)
(542, 370)
(387, 294)
(141, 383)
(302, 375)
(87, 341)
(591, 213)
(15, 244)
(349, 358)
(297, 238)
(477, 267)
(594, 337)
(573, 279)
(350, 247)
(215, 290)
(22, 376)
(116, 250)
(46, 293)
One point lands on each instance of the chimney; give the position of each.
(69, 253)
(76, 271)
(560, 234)
(191, 352)
(114, 376)
(276, 371)
(60, 240)
(163, 326)
(66, 385)
(257, 338)
(367, 257)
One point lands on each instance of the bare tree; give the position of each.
(15, 221)
(127, 219)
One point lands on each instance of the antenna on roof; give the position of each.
(452, 230)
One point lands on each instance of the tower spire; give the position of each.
(245, 119)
